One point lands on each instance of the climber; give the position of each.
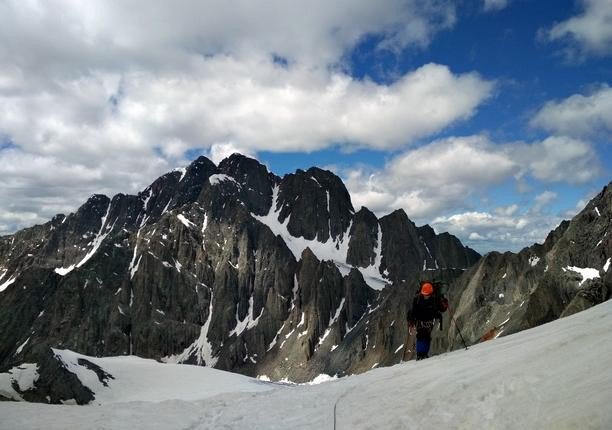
(427, 307)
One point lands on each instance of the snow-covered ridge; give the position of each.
(549, 377)
(139, 379)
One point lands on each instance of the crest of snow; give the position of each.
(334, 250)
(142, 380)
(205, 223)
(8, 282)
(120, 310)
(185, 221)
(25, 376)
(201, 348)
(235, 266)
(63, 271)
(166, 207)
(501, 295)
(275, 338)
(375, 365)
(399, 348)
(20, 348)
(597, 211)
(586, 273)
(505, 274)
(333, 347)
(3, 272)
(100, 236)
(134, 268)
(371, 274)
(220, 177)
(178, 266)
(607, 265)
(248, 322)
(264, 378)
(534, 260)
(322, 378)
(315, 179)
(145, 202)
(295, 292)
(182, 171)
(304, 333)
(301, 323)
(332, 320)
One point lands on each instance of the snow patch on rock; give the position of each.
(586, 273)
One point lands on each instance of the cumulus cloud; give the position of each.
(589, 33)
(431, 179)
(487, 231)
(442, 175)
(108, 95)
(439, 180)
(494, 5)
(578, 115)
(557, 159)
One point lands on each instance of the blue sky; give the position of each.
(491, 119)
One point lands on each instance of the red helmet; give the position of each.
(427, 289)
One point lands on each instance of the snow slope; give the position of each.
(556, 376)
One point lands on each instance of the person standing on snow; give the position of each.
(427, 307)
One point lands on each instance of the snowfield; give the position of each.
(556, 376)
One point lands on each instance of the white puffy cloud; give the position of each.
(442, 175)
(220, 151)
(62, 35)
(494, 5)
(485, 231)
(557, 159)
(589, 33)
(254, 103)
(578, 115)
(543, 199)
(440, 181)
(431, 179)
(108, 95)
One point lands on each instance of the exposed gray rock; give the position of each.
(186, 272)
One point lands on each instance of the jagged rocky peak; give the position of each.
(317, 204)
(366, 236)
(256, 181)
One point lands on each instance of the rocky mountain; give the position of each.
(509, 292)
(228, 266)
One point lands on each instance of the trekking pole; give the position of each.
(458, 328)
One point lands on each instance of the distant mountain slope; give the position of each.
(569, 272)
(551, 377)
(227, 266)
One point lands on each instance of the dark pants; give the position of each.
(423, 341)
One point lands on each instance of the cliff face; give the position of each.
(570, 272)
(227, 266)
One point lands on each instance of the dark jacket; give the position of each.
(425, 310)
